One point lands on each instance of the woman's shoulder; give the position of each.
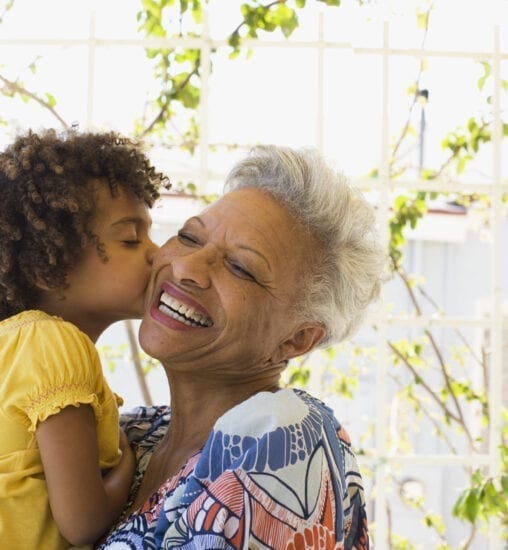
(273, 431)
(267, 411)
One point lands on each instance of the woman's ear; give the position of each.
(303, 340)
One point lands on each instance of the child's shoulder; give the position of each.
(33, 337)
(34, 322)
(22, 319)
(30, 317)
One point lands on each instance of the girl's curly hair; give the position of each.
(47, 204)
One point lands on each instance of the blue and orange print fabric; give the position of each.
(277, 471)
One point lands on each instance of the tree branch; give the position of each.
(167, 102)
(417, 89)
(429, 417)
(267, 7)
(18, 89)
(439, 356)
(424, 384)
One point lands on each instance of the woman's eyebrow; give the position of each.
(240, 246)
(195, 219)
(253, 250)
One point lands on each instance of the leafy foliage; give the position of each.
(485, 498)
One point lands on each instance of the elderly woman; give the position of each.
(285, 261)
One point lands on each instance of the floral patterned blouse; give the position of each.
(277, 472)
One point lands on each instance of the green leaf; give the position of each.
(472, 124)
(487, 69)
(412, 89)
(461, 163)
(50, 99)
(422, 19)
(284, 17)
(151, 6)
(471, 506)
(197, 11)
(504, 484)
(234, 40)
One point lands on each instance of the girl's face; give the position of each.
(100, 293)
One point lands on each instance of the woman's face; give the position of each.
(222, 290)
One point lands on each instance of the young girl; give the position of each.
(75, 256)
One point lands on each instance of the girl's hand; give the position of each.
(125, 446)
(118, 479)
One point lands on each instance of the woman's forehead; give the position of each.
(250, 211)
(254, 217)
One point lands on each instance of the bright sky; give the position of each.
(273, 96)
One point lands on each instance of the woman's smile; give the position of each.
(177, 311)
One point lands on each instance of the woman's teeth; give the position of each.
(182, 312)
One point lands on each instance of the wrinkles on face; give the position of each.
(243, 260)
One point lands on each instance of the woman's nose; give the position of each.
(195, 267)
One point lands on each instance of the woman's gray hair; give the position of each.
(347, 268)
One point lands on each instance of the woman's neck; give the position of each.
(197, 405)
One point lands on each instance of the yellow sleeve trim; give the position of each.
(56, 399)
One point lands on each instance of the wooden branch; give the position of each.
(17, 88)
(424, 384)
(166, 104)
(415, 97)
(267, 6)
(133, 343)
(439, 356)
(430, 418)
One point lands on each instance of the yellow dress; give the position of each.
(46, 364)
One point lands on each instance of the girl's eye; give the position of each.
(131, 242)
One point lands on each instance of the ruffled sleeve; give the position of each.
(57, 366)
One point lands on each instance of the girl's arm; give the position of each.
(84, 504)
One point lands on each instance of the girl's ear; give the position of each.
(303, 340)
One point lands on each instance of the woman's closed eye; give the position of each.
(187, 238)
(240, 271)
